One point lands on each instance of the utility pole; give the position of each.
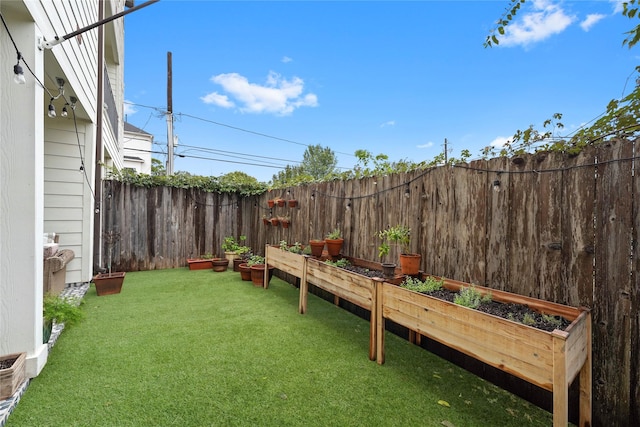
(169, 117)
(446, 150)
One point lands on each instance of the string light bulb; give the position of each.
(64, 113)
(52, 110)
(18, 73)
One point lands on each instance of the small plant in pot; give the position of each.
(111, 282)
(257, 266)
(61, 310)
(400, 236)
(231, 246)
(317, 246)
(202, 262)
(334, 242)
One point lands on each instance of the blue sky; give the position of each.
(256, 82)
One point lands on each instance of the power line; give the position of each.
(232, 127)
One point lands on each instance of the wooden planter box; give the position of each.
(199, 264)
(12, 377)
(109, 283)
(550, 360)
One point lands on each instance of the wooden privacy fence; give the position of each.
(550, 226)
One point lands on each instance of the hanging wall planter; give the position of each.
(293, 203)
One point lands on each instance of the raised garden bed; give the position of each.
(550, 359)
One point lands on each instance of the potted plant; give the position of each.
(275, 221)
(257, 266)
(293, 203)
(265, 220)
(271, 203)
(280, 202)
(203, 262)
(231, 246)
(317, 246)
(219, 264)
(244, 252)
(109, 283)
(285, 221)
(12, 373)
(400, 235)
(334, 242)
(61, 310)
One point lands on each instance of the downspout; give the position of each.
(97, 212)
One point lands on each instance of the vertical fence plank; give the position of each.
(498, 223)
(611, 323)
(635, 296)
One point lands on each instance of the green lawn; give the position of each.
(198, 348)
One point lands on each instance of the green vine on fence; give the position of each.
(233, 182)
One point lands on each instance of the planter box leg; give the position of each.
(304, 290)
(379, 324)
(560, 383)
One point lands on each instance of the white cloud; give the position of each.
(286, 59)
(617, 6)
(427, 145)
(216, 99)
(591, 20)
(500, 141)
(389, 123)
(129, 109)
(277, 96)
(545, 20)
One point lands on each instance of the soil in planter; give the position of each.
(7, 363)
(511, 311)
(364, 271)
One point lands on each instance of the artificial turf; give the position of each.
(198, 348)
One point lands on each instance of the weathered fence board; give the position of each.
(557, 227)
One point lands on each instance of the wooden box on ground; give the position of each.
(13, 376)
(109, 283)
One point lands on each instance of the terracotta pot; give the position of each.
(271, 203)
(275, 221)
(257, 274)
(285, 223)
(293, 203)
(317, 246)
(266, 221)
(334, 246)
(199, 264)
(237, 262)
(245, 271)
(220, 264)
(410, 264)
(280, 202)
(109, 283)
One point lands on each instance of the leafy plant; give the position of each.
(399, 235)
(62, 309)
(335, 234)
(471, 297)
(529, 319)
(554, 320)
(429, 284)
(230, 244)
(207, 255)
(341, 263)
(255, 260)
